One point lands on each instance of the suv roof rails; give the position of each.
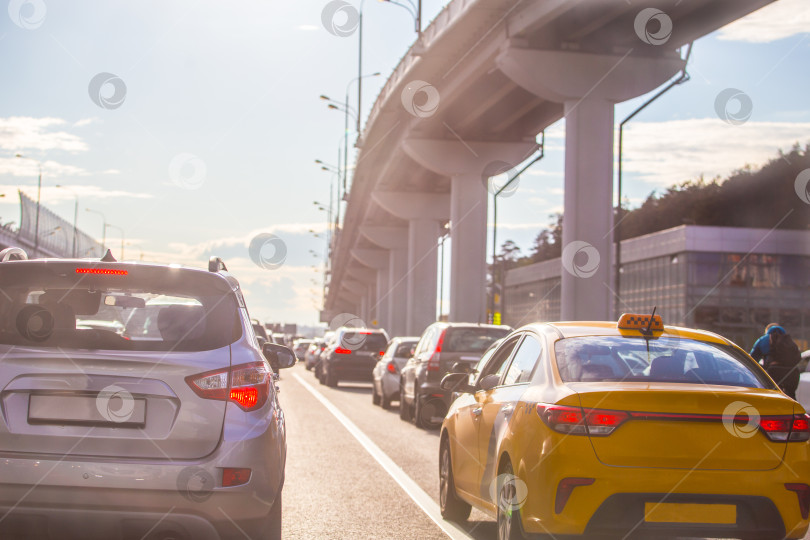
(215, 264)
(10, 252)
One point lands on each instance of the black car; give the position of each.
(440, 348)
(352, 355)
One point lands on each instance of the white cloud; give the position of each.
(775, 21)
(55, 195)
(667, 153)
(22, 133)
(27, 168)
(86, 122)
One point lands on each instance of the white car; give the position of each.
(385, 376)
(803, 391)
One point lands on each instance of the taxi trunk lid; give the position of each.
(687, 426)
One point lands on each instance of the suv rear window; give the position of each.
(604, 358)
(150, 309)
(364, 341)
(471, 339)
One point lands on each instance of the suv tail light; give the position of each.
(786, 428)
(579, 421)
(341, 350)
(247, 385)
(391, 367)
(433, 361)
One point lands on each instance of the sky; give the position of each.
(193, 125)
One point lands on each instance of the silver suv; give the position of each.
(169, 429)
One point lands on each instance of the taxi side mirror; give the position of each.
(456, 382)
(489, 382)
(461, 367)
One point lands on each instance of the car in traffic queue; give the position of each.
(441, 346)
(300, 348)
(352, 355)
(385, 376)
(261, 332)
(328, 339)
(561, 432)
(102, 432)
(311, 356)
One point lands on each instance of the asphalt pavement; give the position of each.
(336, 485)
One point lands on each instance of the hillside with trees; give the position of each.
(764, 198)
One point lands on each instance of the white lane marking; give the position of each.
(422, 499)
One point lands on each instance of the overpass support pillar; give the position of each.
(377, 260)
(395, 293)
(423, 267)
(423, 211)
(588, 85)
(465, 162)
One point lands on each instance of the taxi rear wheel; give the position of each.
(509, 526)
(452, 508)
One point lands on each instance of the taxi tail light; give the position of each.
(433, 361)
(341, 350)
(794, 428)
(803, 493)
(391, 367)
(247, 385)
(564, 490)
(579, 421)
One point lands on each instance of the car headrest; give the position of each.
(667, 367)
(178, 323)
(81, 301)
(596, 372)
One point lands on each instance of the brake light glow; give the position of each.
(803, 493)
(102, 271)
(341, 350)
(391, 367)
(245, 397)
(247, 385)
(564, 490)
(786, 428)
(232, 476)
(433, 361)
(579, 421)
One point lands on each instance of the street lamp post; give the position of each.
(103, 228)
(75, 219)
(39, 198)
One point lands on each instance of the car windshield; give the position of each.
(44, 309)
(471, 339)
(600, 358)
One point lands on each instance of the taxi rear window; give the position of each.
(611, 358)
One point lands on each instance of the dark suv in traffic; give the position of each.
(441, 346)
(352, 355)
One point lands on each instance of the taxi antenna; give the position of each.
(647, 331)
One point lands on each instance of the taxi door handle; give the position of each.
(477, 411)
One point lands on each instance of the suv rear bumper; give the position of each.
(53, 497)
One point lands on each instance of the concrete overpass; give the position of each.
(466, 102)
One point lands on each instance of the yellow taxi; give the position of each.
(628, 429)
